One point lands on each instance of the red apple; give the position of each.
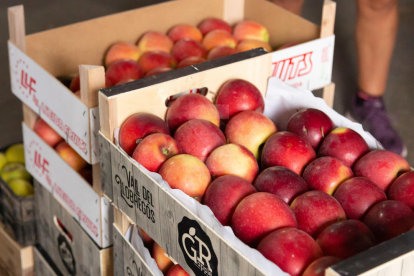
(121, 70)
(345, 144)
(357, 195)
(75, 84)
(191, 106)
(156, 59)
(316, 210)
(185, 31)
(211, 24)
(233, 159)
(318, 267)
(163, 262)
(345, 239)
(291, 249)
(136, 127)
(190, 61)
(311, 124)
(70, 156)
(187, 173)
(87, 174)
(326, 174)
(287, 150)
(282, 182)
(154, 150)
(48, 134)
(250, 129)
(403, 189)
(259, 214)
(224, 194)
(382, 167)
(157, 71)
(148, 241)
(238, 95)
(177, 270)
(388, 219)
(199, 138)
(220, 51)
(185, 48)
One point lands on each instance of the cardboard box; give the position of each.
(43, 265)
(67, 244)
(175, 225)
(36, 60)
(15, 260)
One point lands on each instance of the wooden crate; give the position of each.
(67, 244)
(15, 260)
(43, 265)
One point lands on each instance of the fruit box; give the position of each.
(68, 245)
(17, 215)
(37, 60)
(86, 203)
(43, 265)
(177, 222)
(15, 260)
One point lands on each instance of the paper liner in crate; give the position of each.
(281, 102)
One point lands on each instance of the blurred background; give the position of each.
(41, 15)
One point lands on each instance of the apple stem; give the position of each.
(165, 151)
(323, 135)
(138, 141)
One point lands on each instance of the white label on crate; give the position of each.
(51, 100)
(95, 127)
(65, 184)
(307, 65)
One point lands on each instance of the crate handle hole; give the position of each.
(59, 225)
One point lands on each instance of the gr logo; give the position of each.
(197, 248)
(66, 255)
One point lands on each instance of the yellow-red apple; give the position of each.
(48, 134)
(190, 61)
(70, 156)
(250, 30)
(148, 241)
(185, 48)
(121, 50)
(155, 59)
(211, 24)
(155, 41)
(160, 256)
(177, 270)
(185, 31)
(218, 38)
(220, 51)
(249, 44)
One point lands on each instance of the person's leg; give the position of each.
(376, 31)
(294, 6)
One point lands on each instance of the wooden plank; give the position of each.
(43, 265)
(105, 163)
(328, 18)
(118, 252)
(17, 29)
(92, 78)
(233, 11)
(328, 94)
(29, 116)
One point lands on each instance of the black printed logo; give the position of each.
(197, 248)
(66, 255)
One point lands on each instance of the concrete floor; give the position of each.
(46, 14)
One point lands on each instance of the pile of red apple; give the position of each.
(184, 45)
(68, 154)
(318, 196)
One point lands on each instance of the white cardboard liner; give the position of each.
(281, 102)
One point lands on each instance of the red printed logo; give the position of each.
(293, 67)
(41, 163)
(26, 83)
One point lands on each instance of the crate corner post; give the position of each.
(328, 18)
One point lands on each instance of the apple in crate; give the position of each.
(136, 127)
(211, 24)
(382, 167)
(160, 256)
(290, 249)
(70, 156)
(199, 138)
(191, 106)
(220, 51)
(345, 239)
(287, 150)
(122, 70)
(345, 144)
(155, 59)
(250, 30)
(157, 71)
(224, 194)
(148, 241)
(318, 267)
(154, 150)
(282, 182)
(190, 61)
(177, 270)
(316, 210)
(403, 189)
(185, 48)
(187, 173)
(357, 195)
(311, 124)
(258, 215)
(48, 134)
(326, 174)
(238, 95)
(388, 219)
(185, 31)
(121, 50)
(233, 159)
(250, 129)
(75, 84)
(155, 41)
(218, 38)
(249, 44)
